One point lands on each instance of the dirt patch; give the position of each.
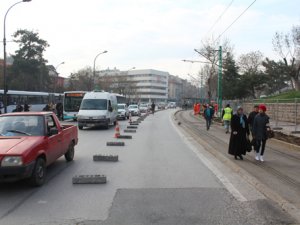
(287, 138)
(278, 135)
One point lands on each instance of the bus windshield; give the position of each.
(94, 104)
(72, 103)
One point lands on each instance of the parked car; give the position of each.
(30, 141)
(144, 107)
(97, 108)
(172, 105)
(161, 105)
(134, 110)
(123, 112)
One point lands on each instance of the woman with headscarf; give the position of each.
(260, 127)
(239, 134)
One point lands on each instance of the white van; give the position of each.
(98, 108)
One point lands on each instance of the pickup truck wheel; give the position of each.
(39, 172)
(69, 156)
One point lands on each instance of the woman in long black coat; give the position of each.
(239, 134)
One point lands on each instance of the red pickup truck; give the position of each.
(30, 141)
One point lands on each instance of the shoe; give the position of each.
(261, 158)
(257, 157)
(235, 157)
(241, 157)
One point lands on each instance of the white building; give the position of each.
(151, 85)
(144, 85)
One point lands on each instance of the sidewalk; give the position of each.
(279, 174)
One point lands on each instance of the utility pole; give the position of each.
(220, 91)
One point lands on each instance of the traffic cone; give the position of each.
(117, 130)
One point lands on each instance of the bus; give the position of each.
(36, 100)
(121, 99)
(71, 104)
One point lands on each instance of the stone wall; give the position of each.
(283, 112)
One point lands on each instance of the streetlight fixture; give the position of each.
(4, 55)
(94, 68)
(59, 66)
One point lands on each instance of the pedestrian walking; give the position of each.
(153, 107)
(59, 110)
(239, 134)
(208, 115)
(226, 116)
(260, 128)
(251, 117)
(26, 107)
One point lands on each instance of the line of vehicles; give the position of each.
(30, 141)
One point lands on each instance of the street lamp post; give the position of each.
(94, 68)
(56, 78)
(4, 56)
(59, 66)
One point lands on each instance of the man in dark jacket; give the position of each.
(239, 134)
(260, 127)
(208, 115)
(251, 117)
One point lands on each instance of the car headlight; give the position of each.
(12, 161)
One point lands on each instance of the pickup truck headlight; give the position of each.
(12, 161)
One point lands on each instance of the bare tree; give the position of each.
(82, 80)
(251, 62)
(287, 47)
(209, 51)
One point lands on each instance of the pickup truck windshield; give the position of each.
(94, 104)
(22, 126)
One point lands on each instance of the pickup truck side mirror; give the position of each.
(53, 131)
(110, 109)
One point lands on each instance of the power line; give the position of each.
(235, 20)
(220, 17)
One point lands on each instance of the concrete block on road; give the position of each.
(89, 179)
(132, 127)
(109, 158)
(124, 137)
(115, 144)
(134, 124)
(129, 131)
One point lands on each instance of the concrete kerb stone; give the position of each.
(132, 127)
(109, 158)
(124, 137)
(89, 179)
(129, 131)
(115, 144)
(134, 124)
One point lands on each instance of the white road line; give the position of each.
(193, 146)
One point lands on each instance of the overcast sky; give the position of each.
(146, 34)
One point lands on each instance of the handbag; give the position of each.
(248, 146)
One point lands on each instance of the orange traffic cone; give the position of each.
(117, 130)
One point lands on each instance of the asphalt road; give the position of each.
(161, 178)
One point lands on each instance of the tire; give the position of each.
(69, 156)
(80, 127)
(37, 178)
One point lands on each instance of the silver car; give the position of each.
(123, 112)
